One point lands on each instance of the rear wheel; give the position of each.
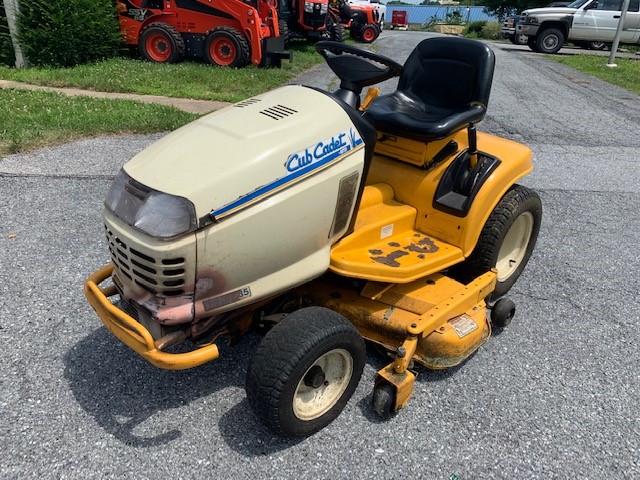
(550, 40)
(506, 240)
(226, 47)
(596, 45)
(304, 371)
(161, 43)
(369, 33)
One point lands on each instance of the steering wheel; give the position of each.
(360, 68)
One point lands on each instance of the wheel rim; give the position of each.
(522, 39)
(550, 42)
(514, 246)
(597, 45)
(368, 34)
(310, 402)
(158, 47)
(223, 51)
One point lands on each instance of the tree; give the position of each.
(504, 8)
(11, 8)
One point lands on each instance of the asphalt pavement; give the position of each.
(555, 395)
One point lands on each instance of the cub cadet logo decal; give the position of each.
(334, 146)
(299, 165)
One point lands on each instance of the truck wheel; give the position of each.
(506, 240)
(532, 43)
(304, 371)
(550, 40)
(596, 45)
(369, 33)
(226, 47)
(161, 43)
(520, 39)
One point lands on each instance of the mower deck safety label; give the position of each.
(463, 325)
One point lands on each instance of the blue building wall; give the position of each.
(423, 13)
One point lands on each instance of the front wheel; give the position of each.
(304, 371)
(550, 40)
(506, 240)
(369, 33)
(160, 42)
(520, 39)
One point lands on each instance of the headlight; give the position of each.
(308, 7)
(532, 20)
(324, 8)
(155, 213)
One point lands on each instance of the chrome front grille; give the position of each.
(157, 276)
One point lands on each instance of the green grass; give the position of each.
(626, 75)
(36, 119)
(189, 79)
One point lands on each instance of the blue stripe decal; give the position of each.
(300, 164)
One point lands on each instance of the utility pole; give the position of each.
(11, 8)
(616, 39)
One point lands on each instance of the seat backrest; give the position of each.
(449, 72)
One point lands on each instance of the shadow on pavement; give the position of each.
(121, 390)
(244, 433)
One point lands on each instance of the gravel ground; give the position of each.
(553, 396)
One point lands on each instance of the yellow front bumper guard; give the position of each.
(133, 333)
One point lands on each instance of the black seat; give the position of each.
(445, 87)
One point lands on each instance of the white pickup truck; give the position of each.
(382, 9)
(583, 21)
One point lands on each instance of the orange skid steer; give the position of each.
(227, 33)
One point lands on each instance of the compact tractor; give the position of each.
(325, 221)
(362, 19)
(309, 19)
(227, 33)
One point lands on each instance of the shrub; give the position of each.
(491, 31)
(482, 29)
(475, 27)
(64, 33)
(6, 47)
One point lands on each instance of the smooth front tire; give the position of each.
(304, 371)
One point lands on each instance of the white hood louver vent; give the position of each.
(248, 102)
(278, 112)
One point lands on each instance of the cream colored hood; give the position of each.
(234, 157)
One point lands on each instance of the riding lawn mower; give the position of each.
(390, 220)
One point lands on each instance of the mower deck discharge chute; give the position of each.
(391, 220)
